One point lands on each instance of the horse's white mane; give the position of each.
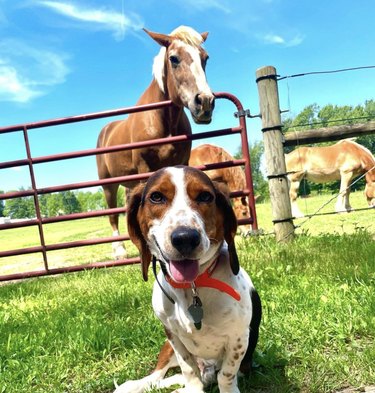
(183, 33)
(188, 35)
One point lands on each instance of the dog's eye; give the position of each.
(205, 197)
(157, 197)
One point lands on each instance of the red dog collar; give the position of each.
(205, 280)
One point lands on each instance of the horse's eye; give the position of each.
(205, 197)
(175, 61)
(157, 197)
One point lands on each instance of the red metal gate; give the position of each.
(35, 192)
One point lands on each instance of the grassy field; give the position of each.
(77, 333)
(337, 223)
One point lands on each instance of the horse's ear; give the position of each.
(204, 36)
(161, 39)
(230, 223)
(134, 229)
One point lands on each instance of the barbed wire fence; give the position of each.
(368, 117)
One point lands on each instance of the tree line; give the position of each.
(66, 202)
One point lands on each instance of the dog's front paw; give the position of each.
(131, 387)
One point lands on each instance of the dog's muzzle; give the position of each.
(185, 240)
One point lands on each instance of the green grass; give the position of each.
(337, 223)
(79, 332)
(58, 233)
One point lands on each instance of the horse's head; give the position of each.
(179, 70)
(241, 210)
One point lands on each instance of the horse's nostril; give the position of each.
(185, 239)
(198, 100)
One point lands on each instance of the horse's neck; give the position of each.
(170, 116)
(236, 181)
(152, 94)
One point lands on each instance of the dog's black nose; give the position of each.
(185, 239)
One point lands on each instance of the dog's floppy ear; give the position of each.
(134, 229)
(230, 223)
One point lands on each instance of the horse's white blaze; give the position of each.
(198, 72)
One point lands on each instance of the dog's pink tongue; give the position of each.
(184, 271)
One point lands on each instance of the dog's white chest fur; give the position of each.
(224, 318)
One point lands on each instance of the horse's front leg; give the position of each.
(294, 181)
(110, 193)
(343, 203)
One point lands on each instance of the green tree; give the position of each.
(20, 207)
(2, 205)
(54, 205)
(256, 151)
(91, 200)
(312, 116)
(43, 204)
(69, 203)
(369, 113)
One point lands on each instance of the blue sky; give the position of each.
(61, 58)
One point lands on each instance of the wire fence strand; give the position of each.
(325, 72)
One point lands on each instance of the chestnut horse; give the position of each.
(233, 177)
(179, 76)
(343, 160)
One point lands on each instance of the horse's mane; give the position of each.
(188, 35)
(183, 33)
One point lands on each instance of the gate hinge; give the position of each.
(245, 112)
(242, 113)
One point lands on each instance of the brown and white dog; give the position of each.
(208, 305)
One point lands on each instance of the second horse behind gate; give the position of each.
(233, 177)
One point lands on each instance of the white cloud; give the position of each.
(13, 88)
(279, 40)
(104, 19)
(297, 40)
(27, 72)
(273, 39)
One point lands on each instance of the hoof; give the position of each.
(119, 251)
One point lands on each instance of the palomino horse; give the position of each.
(343, 160)
(179, 76)
(233, 177)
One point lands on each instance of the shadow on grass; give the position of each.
(269, 376)
(268, 380)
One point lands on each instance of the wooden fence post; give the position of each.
(266, 79)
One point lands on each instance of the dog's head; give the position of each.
(182, 218)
